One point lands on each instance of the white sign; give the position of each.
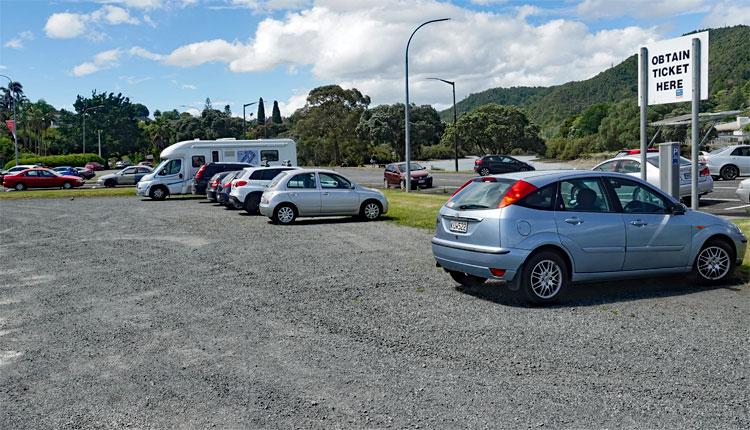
(670, 70)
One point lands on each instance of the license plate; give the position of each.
(421, 181)
(459, 226)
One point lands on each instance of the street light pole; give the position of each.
(244, 128)
(83, 113)
(15, 123)
(99, 133)
(407, 139)
(455, 116)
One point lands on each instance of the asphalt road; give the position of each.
(183, 314)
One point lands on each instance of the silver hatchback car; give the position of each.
(541, 231)
(317, 192)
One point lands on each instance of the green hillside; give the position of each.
(729, 68)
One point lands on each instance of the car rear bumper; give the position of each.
(234, 201)
(478, 261)
(743, 194)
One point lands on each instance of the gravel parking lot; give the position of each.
(122, 312)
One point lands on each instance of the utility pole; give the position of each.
(83, 113)
(99, 132)
(455, 116)
(695, 124)
(406, 107)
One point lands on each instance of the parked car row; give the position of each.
(39, 177)
(284, 193)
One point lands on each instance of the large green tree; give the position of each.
(384, 125)
(495, 129)
(325, 127)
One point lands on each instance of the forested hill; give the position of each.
(729, 67)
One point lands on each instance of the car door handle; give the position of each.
(638, 223)
(326, 193)
(574, 221)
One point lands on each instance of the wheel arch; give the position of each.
(368, 200)
(553, 248)
(721, 237)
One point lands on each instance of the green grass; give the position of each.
(745, 226)
(57, 194)
(414, 209)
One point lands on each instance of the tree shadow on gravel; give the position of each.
(595, 294)
(175, 199)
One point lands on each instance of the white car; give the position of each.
(248, 187)
(631, 165)
(743, 191)
(729, 162)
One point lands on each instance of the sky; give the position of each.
(172, 54)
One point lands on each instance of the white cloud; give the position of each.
(19, 41)
(361, 45)
(137, 51)
(137, 4)
(724, 14)
(597, 9)
(101, 61)
(189, 87)
(271, 5)
(65, 25)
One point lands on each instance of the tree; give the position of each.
(208, 105)
(276, 113)
(261, 118)
(588, 121)
(325, 127)
(384, 125)
(495, 129)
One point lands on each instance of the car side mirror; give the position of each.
(679, 209)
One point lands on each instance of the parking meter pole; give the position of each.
(669, 168)
(695, 139)
(644, 109)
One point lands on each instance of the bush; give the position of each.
(57, 160)
(383, 154)
(568, 149)
(438, 152)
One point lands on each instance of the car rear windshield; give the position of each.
(481, 194)
(654, 161)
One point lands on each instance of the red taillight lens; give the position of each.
(462, 187)
(705, 172)
(199, 174)
(518, 191)
(240, 183)
(478, 162)
(498, 272)
(227, 185)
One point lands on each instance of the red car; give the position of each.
(40, 178)
(395, 174)
(93, 165)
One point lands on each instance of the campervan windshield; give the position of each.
(161, 165)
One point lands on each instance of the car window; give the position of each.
(507, 160)
(638, 198)
(609, 166)
(256, 175)
(583, 195)
(269, 155)
(542, 199)
(303, 180)
(329, 180)
(481, 194)
(46, 174)
(143, 170)
(32, 173)
(173, 167)
(129, 171)
(628, 166)
(270, 174)
(198, 160)
(742, 151)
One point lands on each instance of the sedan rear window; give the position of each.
(481, 194)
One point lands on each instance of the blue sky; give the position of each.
(172, 54)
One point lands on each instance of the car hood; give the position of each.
(148, 177)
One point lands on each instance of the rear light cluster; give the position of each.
(199, 174)
(240, 183)
(516, 192)
(478, 162)
(705, 172)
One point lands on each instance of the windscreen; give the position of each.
(414, 166)
(481, 194)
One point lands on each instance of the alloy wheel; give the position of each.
(546, 279)
(285, 214)
(372, 211)
(730, 173)
(713, 263)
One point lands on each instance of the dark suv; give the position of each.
(494, 164)
(204, 174)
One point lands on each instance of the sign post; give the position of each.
(668, 72)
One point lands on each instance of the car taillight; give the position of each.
(240, 183)
(705, 172)
(516, 192)
(478, 162)
(199, 174)
(462, 187)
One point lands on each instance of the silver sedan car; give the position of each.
(316, 192)
(127, 176)
(541, 231)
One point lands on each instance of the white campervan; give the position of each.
(180, 162)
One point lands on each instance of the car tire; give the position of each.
(284, 214)
(544, 278)
(484, 171)
(109, 183)
(715, 262)
(158, 193)
(370, 210)
(402, 184)
(729, 172)
(252, 203)
(385, 184)
(466, 280)
(20, 186)
(67, 185)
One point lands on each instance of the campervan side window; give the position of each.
(215, 156)
(198, 160)
(269, 155)
(173, 167)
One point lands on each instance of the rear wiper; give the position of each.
(473, 206)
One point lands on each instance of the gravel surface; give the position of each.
(121, 312)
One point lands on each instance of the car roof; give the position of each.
(253, 168)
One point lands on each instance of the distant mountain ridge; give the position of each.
(729, 65)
